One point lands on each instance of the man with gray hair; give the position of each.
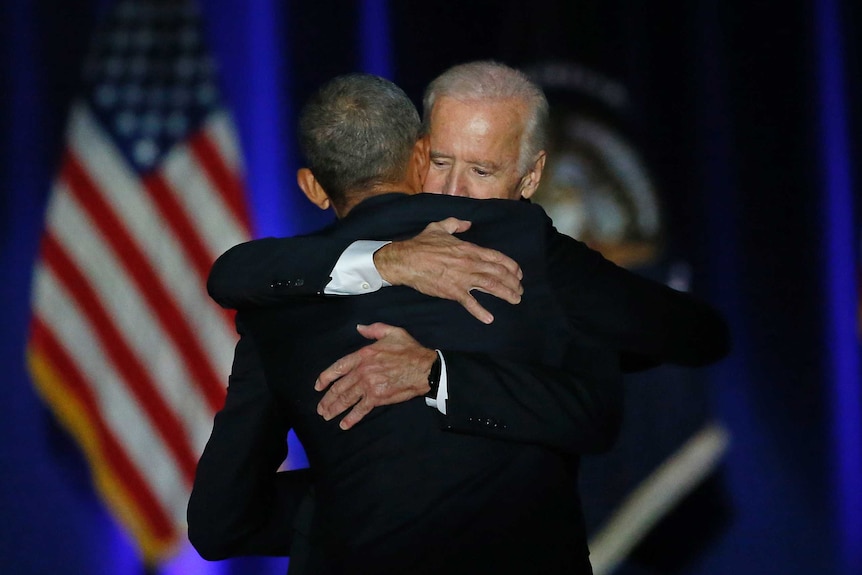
(484, 140)
(485, 127)
(487, 124)
(409, 490)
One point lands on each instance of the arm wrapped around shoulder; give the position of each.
(268, 271)
(240, 504)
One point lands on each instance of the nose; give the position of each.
(454, 185)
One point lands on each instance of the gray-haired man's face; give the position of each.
(474, 148)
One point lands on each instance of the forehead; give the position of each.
(483, 129)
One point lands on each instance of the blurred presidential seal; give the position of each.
(596, 186)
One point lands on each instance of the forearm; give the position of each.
(235, 496)
(239, 504)
(266, 529)
(648, 322)
(268, 271)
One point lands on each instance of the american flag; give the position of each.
(125, 346)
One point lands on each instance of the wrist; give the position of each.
(386, 261)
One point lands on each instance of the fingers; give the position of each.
(476, 310)
(450, 225)
(510, 264)
(360, 410)
(350, 378)
(492, 268)
(376, 330)
(489, 278)
(499, 258)
(338, 369)
(392, 369)
(456, 226)
(502, 285)
(343, 395)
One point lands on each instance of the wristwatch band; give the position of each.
(434, 378)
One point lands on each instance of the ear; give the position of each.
(530, 181)
(312, 189)
(418, 169)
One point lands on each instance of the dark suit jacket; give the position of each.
(375, 482)
(647, 322)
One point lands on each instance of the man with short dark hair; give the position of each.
(404, 492)
(527, 403)
(485, 130)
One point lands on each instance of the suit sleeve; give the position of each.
(576, 408)
(240, 504)
(648, 322)
(266, 271)
(572, 403)
(620, 321)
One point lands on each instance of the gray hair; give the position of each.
(489, 80)
(356, 132)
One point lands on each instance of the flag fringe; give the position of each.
(72, 415)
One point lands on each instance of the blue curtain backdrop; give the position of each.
(748, 113)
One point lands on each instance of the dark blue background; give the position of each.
(746, 114)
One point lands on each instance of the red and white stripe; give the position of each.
(121, 315)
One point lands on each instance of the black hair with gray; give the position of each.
(358, 131)
(490, 80)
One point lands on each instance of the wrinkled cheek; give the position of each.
(434, 183)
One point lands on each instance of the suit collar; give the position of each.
(376, 202)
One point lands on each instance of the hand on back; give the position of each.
(438, 264)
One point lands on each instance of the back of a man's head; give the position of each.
(488, 80)
(357, 132)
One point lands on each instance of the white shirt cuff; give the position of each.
(440, 402)
(354, 272)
